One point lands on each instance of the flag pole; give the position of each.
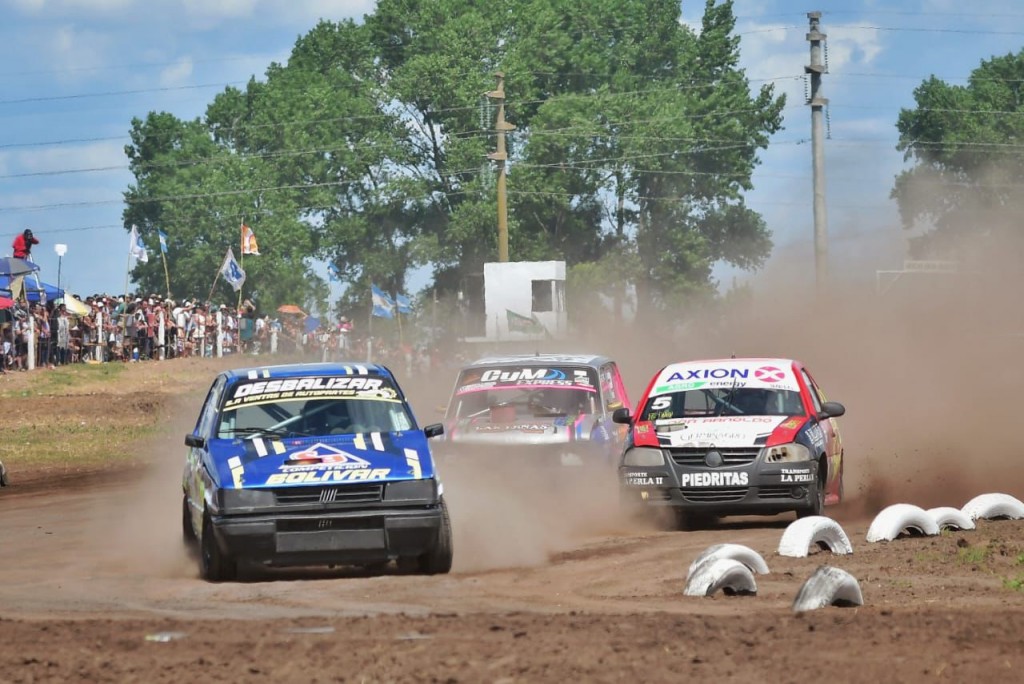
(398, 315)
(241, 257)
(167, 275)
(217, 277)
(369, 328)
(127, 277)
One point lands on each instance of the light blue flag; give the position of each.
(333, 273)
(403, 304)
(232, 271)
(163, 241)
(383, 306)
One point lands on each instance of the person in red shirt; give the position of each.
(23, 244)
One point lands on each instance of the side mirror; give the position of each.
(832, 409)
(195, 441)
(621, 415)
(433, 430)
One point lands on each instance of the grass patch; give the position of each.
(1014, 583)
(73, 447)
(974, 555)
(58, 380)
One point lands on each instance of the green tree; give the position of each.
(636, 139)
(964, 144)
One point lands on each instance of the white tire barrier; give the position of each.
(898, 519)
(744, 554)
(814, 530)
(828, 586)
(949, 518)
(994, 506)
(726, 574)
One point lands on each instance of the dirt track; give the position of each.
(546, 588)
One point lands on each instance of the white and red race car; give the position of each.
(733, 437)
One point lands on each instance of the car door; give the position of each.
(197, 458)
(833, 441)
(613, 396)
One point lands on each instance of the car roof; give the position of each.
(540, 360)
(738, 361)
(298, 370)
(758, 371)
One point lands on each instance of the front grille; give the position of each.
(331, 495)
(719, 495)
(731, 456)
(775, 492)
(328, 524)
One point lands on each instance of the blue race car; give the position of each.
(312, 464)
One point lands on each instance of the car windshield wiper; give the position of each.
(275, 432)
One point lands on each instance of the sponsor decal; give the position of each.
(497, 375)
(313, 477)
(689, 374)
(533, 428)
(690, 436)
(817, 436)
(643, 480)
(796, 478)
(792, 423)
(322, 453)
(726, 479)
(312, 387)
(770, 374)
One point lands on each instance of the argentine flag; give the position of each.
(383, 305)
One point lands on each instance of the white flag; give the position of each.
(232, 271)
(136, 247)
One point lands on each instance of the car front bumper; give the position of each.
(329, 538)
(755, 489)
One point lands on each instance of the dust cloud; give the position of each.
(928, 365)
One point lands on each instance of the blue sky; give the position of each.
(73, 73)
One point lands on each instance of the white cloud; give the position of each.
(852, 45)
(177, 74)
(71, 50)
(62, 158)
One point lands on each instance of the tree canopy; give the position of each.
(635, 140)
(964, 144)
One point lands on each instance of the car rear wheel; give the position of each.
(818, 505)
(214, 564)
(438, 560)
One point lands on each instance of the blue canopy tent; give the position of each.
(34, 288)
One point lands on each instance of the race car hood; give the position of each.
(723, 431)
(529, 430)
(376, 456)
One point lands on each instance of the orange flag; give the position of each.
(249, 245)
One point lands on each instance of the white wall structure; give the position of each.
(525, 300)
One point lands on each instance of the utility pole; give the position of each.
(501, 127)
(816, 68)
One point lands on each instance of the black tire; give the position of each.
(438, 560)
(188, 535)
(818, 506)
(688, 521)
(214, 564)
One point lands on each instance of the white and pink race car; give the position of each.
(733, 437)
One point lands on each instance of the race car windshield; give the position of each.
(330, 406)
(723, 401)
(503, 395)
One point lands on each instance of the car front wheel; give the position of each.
(438, 560)
(214, 564)
(818, 503)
